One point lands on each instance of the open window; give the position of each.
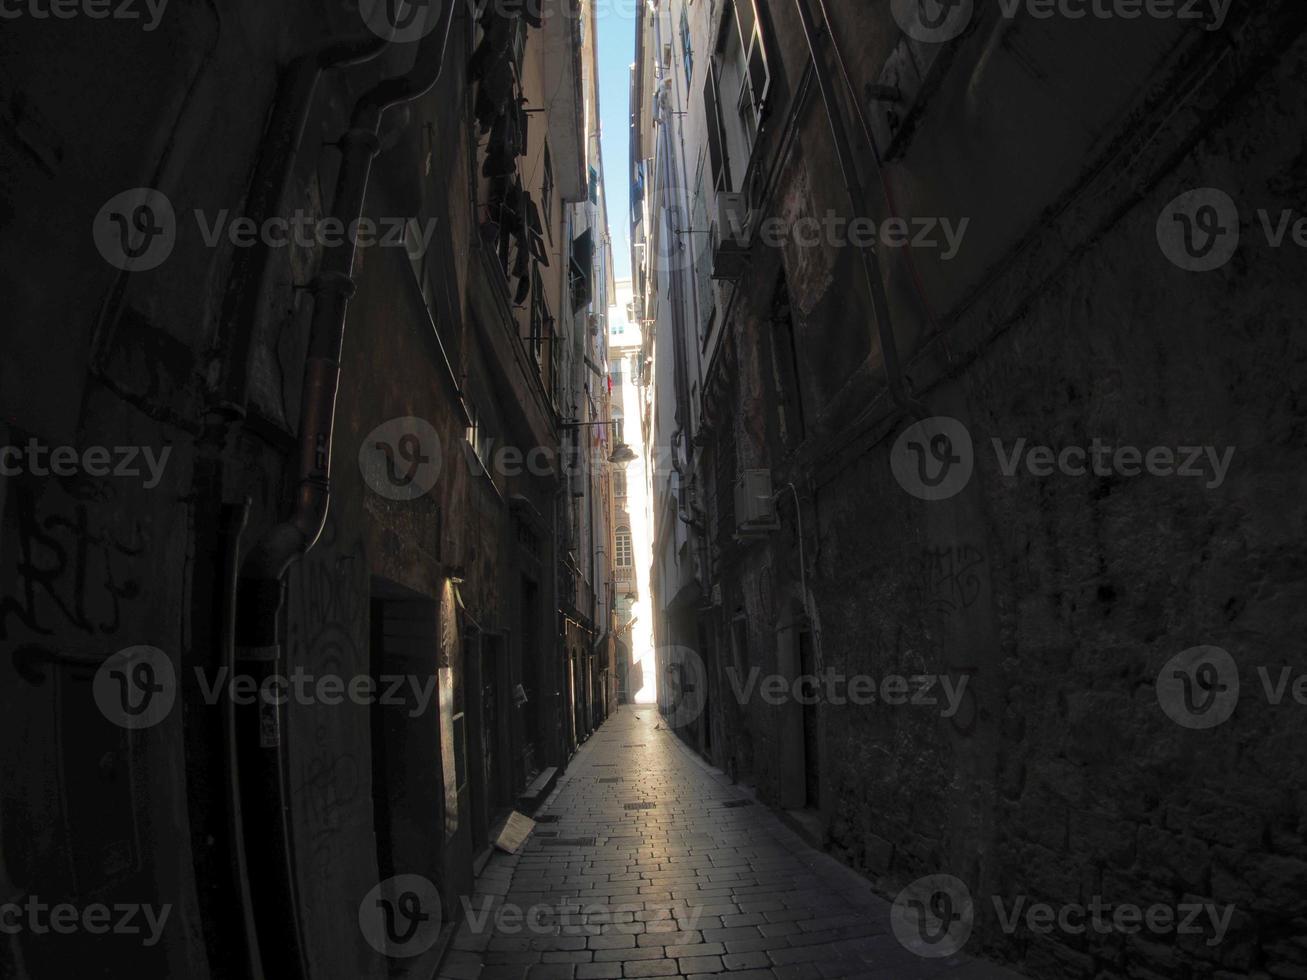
(735, 93)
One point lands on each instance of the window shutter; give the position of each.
(716, 134)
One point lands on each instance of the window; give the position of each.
(476, 436)
(619, 483)
(615, 370)
(540, 318)
(624, 553)
(686, 51)
(547, 193)
(735, 93)
(617, 429)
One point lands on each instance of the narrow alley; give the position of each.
(647, 862)
(568, 489)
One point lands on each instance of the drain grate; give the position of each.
(634, 745)
(731, 804)
(609, 779)
(546, 833)
(569, 842)
(641, 806)
(546, 818)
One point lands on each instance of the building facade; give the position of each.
(631, 520)
(341, 280)
(874, 267)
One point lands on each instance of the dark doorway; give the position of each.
(811, 762)
(532, 666)
(408, 792)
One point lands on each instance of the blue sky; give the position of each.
(616, 29)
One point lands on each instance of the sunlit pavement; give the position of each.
(648, 863)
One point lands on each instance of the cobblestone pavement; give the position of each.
(648, 863)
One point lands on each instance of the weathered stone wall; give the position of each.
(1060, 776)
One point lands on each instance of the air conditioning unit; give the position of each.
(729, 236)
(755, 508)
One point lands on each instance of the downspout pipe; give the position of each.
(282, 140)
(263, 789)
(815, 35)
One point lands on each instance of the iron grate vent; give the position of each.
(546, 818)
(609, 779)
(641, 806)
(634, 745)
(546, 833)
(731, 804)
(569, 842)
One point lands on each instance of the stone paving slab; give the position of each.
(676, 885)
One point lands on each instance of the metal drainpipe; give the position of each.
(280, 148)
(262, 784)
(268, 185)
(857, 199)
